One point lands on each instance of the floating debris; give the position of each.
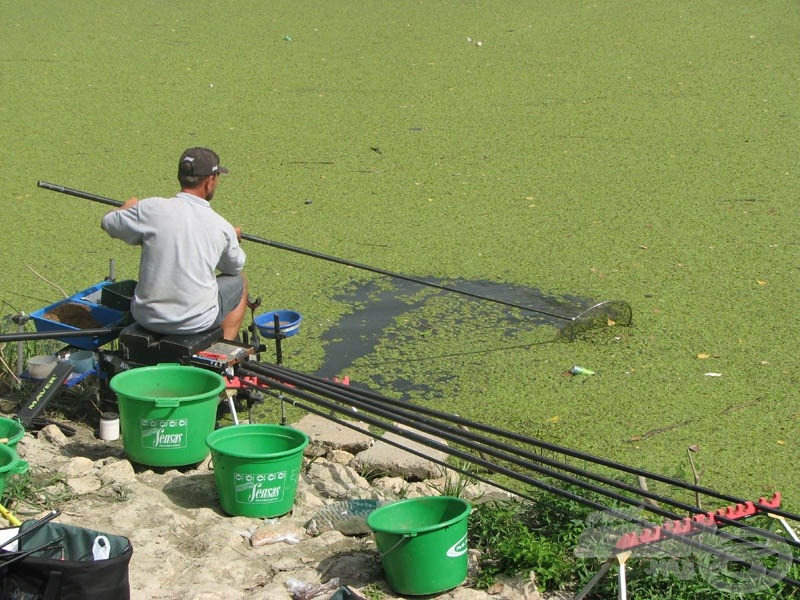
(576, 370)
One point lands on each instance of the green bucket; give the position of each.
(256, 468)
(423, 543)
(10, 464)
(166, 412)
(12, 431)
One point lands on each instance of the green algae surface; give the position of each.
(637, 151)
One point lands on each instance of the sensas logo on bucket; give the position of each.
(164, 433)
(459, 548)
(259, 488)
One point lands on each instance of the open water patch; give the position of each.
(403, 321)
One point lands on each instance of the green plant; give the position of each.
(454, 482)
(308, 462)
(501, 531)
(402, 493)
(372, 474)
(119, 492)
(372, 592)
(44, 490)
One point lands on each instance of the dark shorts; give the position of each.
(231, 288)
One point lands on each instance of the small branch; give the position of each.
(643, 486)
(43, 278)
(9, 369)
(696, 475)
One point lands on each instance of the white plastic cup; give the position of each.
(109, 426)
(82, 361)
(41, 366)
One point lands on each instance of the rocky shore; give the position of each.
(187, 548)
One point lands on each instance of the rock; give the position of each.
(119, 471)
(333, 435)
(78, 466)
(337, 481)
(342, 457)
(84, 485)
(387, 457)
(53, 435)
(391, 486)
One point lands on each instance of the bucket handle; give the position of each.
(19, 467)
(167, 403)
(402, 539)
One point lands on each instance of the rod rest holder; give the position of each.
(143, 346)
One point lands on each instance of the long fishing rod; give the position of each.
(259, 240)
(370, 401)
(28, 336)
(327, 398)
(350, 394)
(445, 430)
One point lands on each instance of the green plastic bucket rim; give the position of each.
(409, 533)
(19, 435)
(14, 464)
(164, 367)
(254, 428)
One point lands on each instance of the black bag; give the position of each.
(64, 562)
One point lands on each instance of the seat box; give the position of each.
(146, 347)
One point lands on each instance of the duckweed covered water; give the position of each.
(603, 150)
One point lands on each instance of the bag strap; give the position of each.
(53, 589)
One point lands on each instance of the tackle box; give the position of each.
(118, 295)
(82, 310)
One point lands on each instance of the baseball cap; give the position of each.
(200, 162)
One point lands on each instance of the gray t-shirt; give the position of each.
(184, 243)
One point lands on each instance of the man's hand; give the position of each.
(238, 231)
(132, 201)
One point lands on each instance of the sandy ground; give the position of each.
(184, 546)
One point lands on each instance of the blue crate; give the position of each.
(87, 300)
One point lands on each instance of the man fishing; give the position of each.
(190, 270)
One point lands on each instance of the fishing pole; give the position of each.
(28, 336)
(443, 435)
(373, 401)
(357, 265)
